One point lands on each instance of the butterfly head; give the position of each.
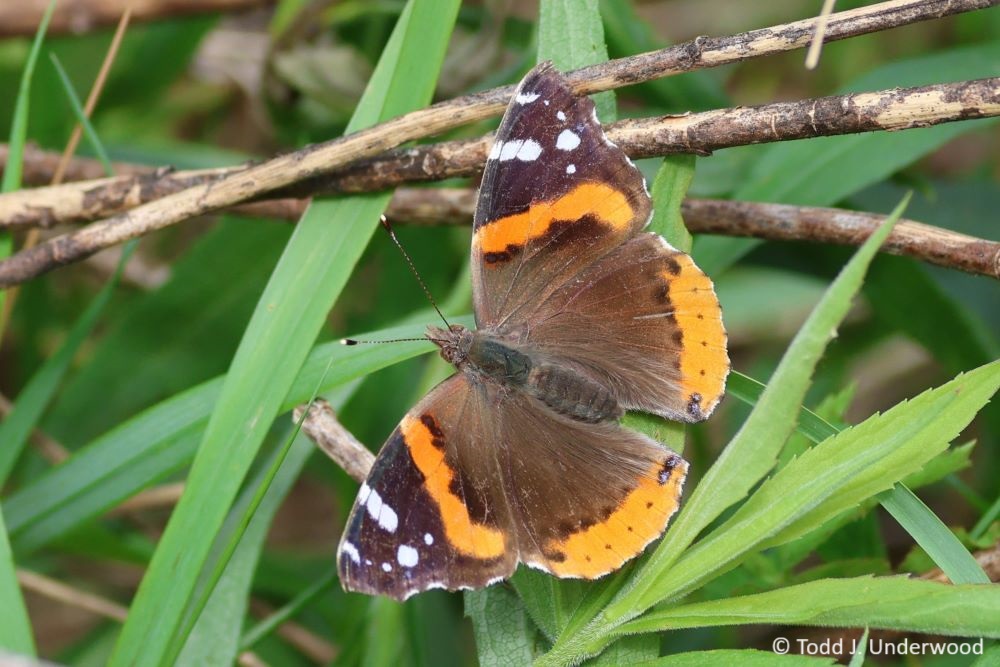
(454, 342)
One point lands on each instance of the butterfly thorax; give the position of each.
(489, 357)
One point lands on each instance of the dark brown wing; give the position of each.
(475, 479)
(432, 513)
(586, 497)
(646, 322)
(556, 195)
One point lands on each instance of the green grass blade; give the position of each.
(162, 439)
(571, 35)
(215, 638)
(858, 657)
(313, 269)
(288, 611)
(15, 626)
(39, 390)
(986, 520)
(18, 136)
(895, 603)
(228, 583)
(670, 186)
(19, 126)
(933, 536)
(748, 457)
(81, 116)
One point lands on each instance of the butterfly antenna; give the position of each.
(355, 341)
(392, 235)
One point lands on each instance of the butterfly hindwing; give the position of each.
(586, 497)
(646, 321)
(555, 196)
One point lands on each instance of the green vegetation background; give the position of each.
(142, 389)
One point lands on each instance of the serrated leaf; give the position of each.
(747, 458)
(744, 658)
(837, 475)
(895, 603)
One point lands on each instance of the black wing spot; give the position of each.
(668, 469)
(694, 405)
(437, 435)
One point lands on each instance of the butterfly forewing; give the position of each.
(430, 514)
(555, 196)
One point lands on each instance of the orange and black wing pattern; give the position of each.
(430, 514)
(646, 322)
(555, 196)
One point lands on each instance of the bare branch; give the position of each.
(779, 222)
(313, 161)
(95, 604)
(702, 132)
(323, 428)
(23, 17)
(56, 590)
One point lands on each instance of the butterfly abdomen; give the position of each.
(571, 394)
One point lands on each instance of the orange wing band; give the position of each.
(637, 521)
(470, 538)
(704, 360)
(604, 202)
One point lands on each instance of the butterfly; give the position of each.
(519, 456)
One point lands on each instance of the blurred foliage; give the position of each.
(217, 90)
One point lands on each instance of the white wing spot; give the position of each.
(407, 556)
(546, 102)
(428, 539)
(526, 98)
(374, 504)
(386, 567)
(510, 149)
(363, 493)
(495, 151)
(571, 169)
(529, 151)
(567, 140)
(381, 512)
(351, 551)
(388, 519)
(561, 116)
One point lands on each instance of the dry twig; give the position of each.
(781, 222)
(323, 428)
(78, 16)
(95, 604)
(703, 132)
(314, 161)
